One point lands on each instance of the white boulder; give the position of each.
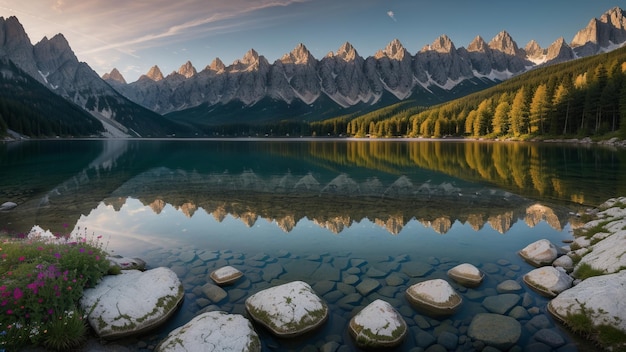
(539, 253)
(288, 310)
(378, 325)
(434, 297)
(466, 274)
(564, 262)
(601, 298)
(548, 280)
(213, 332)
(132, 302)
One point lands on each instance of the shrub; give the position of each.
(41, 284)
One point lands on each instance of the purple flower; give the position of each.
(17, 293)
(57, 255)
(34, 287)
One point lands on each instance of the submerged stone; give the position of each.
(226, 275)
(501, 304)
(495, 330)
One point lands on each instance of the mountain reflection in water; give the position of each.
(332, 182)
(334, 206)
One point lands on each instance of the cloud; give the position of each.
(94, 26)
(392, 15)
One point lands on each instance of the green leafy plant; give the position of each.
(41, 284)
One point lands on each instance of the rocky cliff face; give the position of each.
(601, 34)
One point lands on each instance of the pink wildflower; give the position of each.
(17, 293)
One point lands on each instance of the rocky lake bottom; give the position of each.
(347, 284)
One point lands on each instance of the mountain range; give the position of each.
(349, 79)
(297, 86)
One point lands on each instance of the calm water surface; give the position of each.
(329, 212)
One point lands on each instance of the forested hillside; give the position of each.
(29, 108)
(585, 97)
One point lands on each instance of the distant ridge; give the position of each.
(349, 80)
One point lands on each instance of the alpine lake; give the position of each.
(330, 212)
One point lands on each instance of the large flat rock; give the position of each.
(288, 310)
(601, 298)
(608, 255)
(213, 332)
(132, 302)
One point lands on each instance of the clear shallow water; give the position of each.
(331, 213)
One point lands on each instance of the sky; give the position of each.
(134, 35)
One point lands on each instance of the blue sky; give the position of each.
(133, 35)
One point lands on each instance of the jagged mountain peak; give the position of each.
(615, 17)
(114, 76)
(443, 44)
(216, 65)
(533, 50)
(478, 45)
(609, 29)
(251, 61)
(559, 51)
(250, 57)
(503, 42)
(187, 70)
(13, 30)
(587, 34)
(154, 74)
(56, 46)
(347, 52)
(299, 55)
(395, 50)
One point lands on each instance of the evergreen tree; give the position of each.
(518, 113)
(500, 121)
(538, 109)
